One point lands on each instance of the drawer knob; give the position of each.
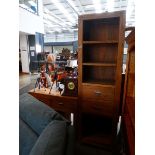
(97, 93)
(60, 103)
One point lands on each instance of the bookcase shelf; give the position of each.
(105, 82)
(100, 53)
(101, 42)
(99, 74)
(100, 64)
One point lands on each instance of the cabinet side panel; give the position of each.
(119, 69)
(80, 48)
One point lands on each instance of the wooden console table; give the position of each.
(62, 104)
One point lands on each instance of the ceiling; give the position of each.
(61, 16)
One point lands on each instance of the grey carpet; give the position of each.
(26, 89)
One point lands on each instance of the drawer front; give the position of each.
(99, 108)
(68, 105)
(59, 103)
(98, 94)
(41, 98)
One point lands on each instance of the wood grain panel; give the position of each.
(98, 93)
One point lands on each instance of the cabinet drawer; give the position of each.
(59, 104)
(97, 108)
(98, 93)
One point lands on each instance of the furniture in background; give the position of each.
(62, 104)
(128, 108)
(101, 40)
(42, 130)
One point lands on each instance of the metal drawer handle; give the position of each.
(60, 103)
(97, 93)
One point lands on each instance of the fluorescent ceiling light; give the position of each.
(51, 31)
(50, 17)
(89, 6)
(50, 25)
(54, 26)
(63, 10)
(64, 28)
(110, 5)
(97, 5)
(57, 29)
(56, 18)
(68, 23)
(53, 20)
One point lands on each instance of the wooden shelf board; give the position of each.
(101, 42)
(96, 84)
(100, 64)
(110, 83)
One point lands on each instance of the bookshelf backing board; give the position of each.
(98, 74)
(100, 53)
(109, 25)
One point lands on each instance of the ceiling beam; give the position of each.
(62, 9)
(72, 6)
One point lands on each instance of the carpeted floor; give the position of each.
(26, 89)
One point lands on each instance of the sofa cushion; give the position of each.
(52, 140)
(36, 114)
(27, 138)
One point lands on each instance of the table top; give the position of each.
(53, 93)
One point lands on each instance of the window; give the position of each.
(30, 5)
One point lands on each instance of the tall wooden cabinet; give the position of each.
(128, 117)
(101, 40)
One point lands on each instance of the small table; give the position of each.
(62, 104)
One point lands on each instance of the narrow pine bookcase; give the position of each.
(100, 43)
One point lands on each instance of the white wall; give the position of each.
(29, 22)
(24, 53)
